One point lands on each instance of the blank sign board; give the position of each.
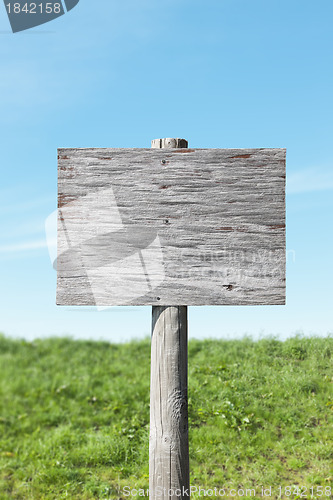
(171, 227)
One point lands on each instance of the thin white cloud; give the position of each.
(310, 180)
(32, 228)
(23, 205)
(24, 246)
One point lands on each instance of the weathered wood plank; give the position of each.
(170, 227)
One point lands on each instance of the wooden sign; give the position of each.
(170, 227)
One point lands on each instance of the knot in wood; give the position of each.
(177, 402)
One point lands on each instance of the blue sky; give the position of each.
(223, 73)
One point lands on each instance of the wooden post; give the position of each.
(169, 476)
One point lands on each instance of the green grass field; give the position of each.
(74, 417)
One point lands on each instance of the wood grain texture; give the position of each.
(168, 442)
(169, 143)
(171, 226)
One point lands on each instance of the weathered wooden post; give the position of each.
(168, 444)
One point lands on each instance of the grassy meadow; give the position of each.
(74, 416)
